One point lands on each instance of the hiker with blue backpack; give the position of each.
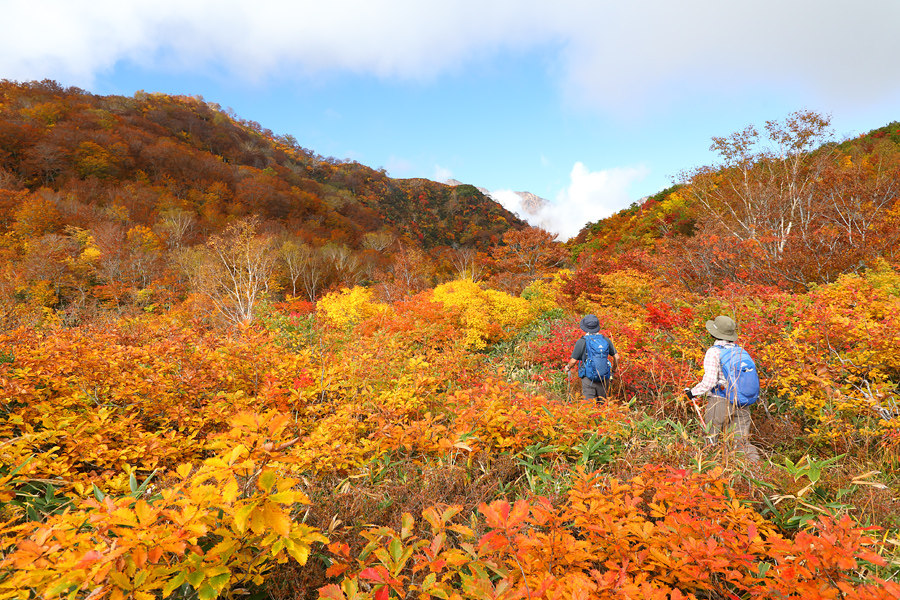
(597, 357)
(731, 385)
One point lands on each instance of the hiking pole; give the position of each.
(690, 396)
(696, 408)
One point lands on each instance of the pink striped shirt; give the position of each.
(712, 370)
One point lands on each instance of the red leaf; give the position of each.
(372, 575)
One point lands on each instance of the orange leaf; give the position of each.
(277, 519)
(331, 591)
(518, 514)
(89, 558)
(336, 569)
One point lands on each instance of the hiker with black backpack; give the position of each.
(597, 357)
(731, 385)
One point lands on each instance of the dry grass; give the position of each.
(344, 507)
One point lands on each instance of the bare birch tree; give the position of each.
(467, 264)
(237, 270)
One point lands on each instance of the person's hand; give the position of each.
(689, 393)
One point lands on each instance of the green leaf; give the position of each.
(207, 592)
(20, 467)
(195, 578)
(218, 582)
(396, 550)
(59, 587)
(173, 583)
(267, 479)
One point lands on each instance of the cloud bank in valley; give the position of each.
(590, 196)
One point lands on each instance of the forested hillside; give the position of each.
(786, 207)
(233, 369)
(100, 196)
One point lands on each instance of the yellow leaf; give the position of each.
(236, 453)
(120, 580)
(257, 520)
(216, 570)
(230, 491)
(241, 514)
(299, 552)
(224, 549)
(144, 513)
(246, 419)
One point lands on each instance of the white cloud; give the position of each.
(441, 174)
(509, 200)
(77, 39)
(613, 55)
(590, 196)
(638, 53)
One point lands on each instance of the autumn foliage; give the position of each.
(233, 368)
(131, 202)
(159, 456)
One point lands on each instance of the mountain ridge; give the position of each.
(181, 152)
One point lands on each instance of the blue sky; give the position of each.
(590, 104)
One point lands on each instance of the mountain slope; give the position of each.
(787, 207)
(155, 152)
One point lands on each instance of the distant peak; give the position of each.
(532, 203)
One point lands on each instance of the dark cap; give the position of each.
(590, 324)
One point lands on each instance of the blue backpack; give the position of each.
(740, 372)
(595, 365)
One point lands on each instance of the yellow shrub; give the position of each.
(541, 295)
(487, 315)
(626, 289)
(350, 306)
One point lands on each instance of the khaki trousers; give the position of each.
(731, 424)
